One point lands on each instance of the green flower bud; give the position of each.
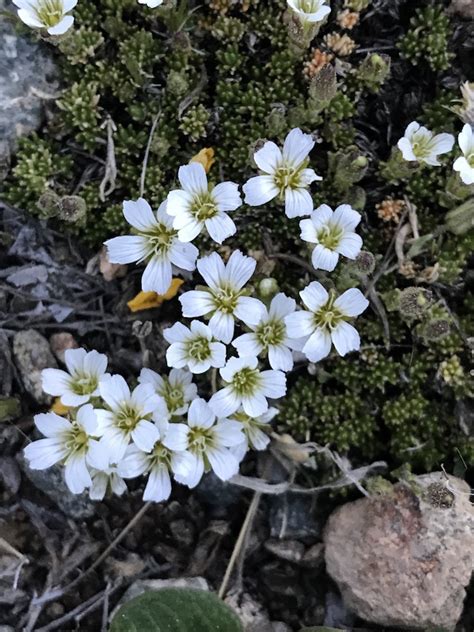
(48, 204)
(72, 208)
(267, 288)
(414, 302)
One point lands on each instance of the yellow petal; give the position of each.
(59, 408)
(205, 157)
(149, 300)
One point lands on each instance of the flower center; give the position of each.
(270, 333)
(330, 236)
(246, 381)
(199, 439)
(470, 159)
(160, 239)
(203, 207)
(308, 6)
(199, 349)
(174, 397)
(287, 178)
(77, 440)
(421, 146)
(160, 455)
(84, 384)
(328, 317)
(225, 299)
(49, 12)
(127, 418)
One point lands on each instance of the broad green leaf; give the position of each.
(176, 610)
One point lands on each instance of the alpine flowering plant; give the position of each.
(50, 15)
(241, 344)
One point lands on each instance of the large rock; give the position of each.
(26, 78)
(33, 354)
(403, 559)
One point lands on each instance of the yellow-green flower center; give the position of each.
(200, 439)
(160, 239)
(287, 178)
(50, 12)
(199, 349)
(77, 440)
(270, 333)
(204, 207)
(246, 381)
(225, 299)
(328, 316)
(160, 455)
(173, 396)
(84, 384)
(128, 417)
(330, 236)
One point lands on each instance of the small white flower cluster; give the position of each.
(420, 145)
(162, 428)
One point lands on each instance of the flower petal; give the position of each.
(139, 214)
(260, 190)
(127, 249)
(157, 276)
(193, 178)
(298, 203)
(345, 338)
(314, 297)
(352, 303)
(268, 158)
(318, 345)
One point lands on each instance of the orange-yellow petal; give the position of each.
(150, 300)
(205, 157)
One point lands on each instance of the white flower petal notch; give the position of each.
(270, 336)
(155, 242)
(333, 233)
(325, 322)
(284, 174)
(208, 442)
(419, 144)
(167, 456)
(256, 432)
(197, 205)
(310, 10)
(177, 389)
(106, 481)
(80, 382)
(247, 386)
(129, 417)
(51, 15)
(194, 348)
(465, 163)
(72, 443)
(224, 299)
(151, 4)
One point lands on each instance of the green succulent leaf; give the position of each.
(176, 610)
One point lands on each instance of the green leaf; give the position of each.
(176, 610)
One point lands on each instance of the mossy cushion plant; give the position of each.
(230, 75)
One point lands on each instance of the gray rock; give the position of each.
(295, 517)
(51, 482)
(403, 559)
(5, 365)
(288, 550)
(27, 74)
(33, 354)
(336, 614)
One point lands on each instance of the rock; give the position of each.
(60, 343)
(218, 495)
(32, 355)
(337, 615)
(10, 477)
(403, 559)
(288, 550)
(5, 365)
(294, 517)
(51, 482)
(464, 8)
(26, 77)
(314, 556)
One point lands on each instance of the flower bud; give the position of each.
(268, 288)
(414, 302)
(48, 204)
(72, 208)
(436, 329)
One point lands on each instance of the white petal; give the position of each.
(247, 345)
(176, 437)
(227, 197)
(157, 276)
(220, 227)
(117, 484)
(297, 147)
(273, 384)
(350, 245)
(280, 358)
(98, 454)
(298, 203)
(178, 205)
(352, 302)
(281, 306)
(55, 382)
(228, 433)
(260, 190)
(346, 217)
(234, 365)
(190, 230)
(196, 303)
(139, 215)
(308, 231)
(45, 453)
(223, 463)
(193, 178)
(258, 439)
(318, 345)
(255, 405)
(147, 376)
(177, 333)
(195, 472)
(134, 463)
(52, 425)
(412, 129)
(86, 418)
(145, 435)
(466, 139)
(239, 269)
(29, 18)
(225, 402)
(76, 474)
(98, 489)
(117, 442)
(218, 354)
(443, 143)
(74, 360)
(299, 324)
(268, 158)
(145, 398)
(212, 270)
(62, 26)
(314, 297)
(184, 256)
(345, 338)
(250, 311)
(127, 249)
(176, 356)
(324, 259)
(222, 326)
(114, 391)
(405, 146)
(200, 414)
(95, 363)
(158, 487)
(68, 5)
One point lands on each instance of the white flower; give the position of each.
(177, 389)
(224, 299)
(104, 480)
(46, 14)
(421, 145)
(196, 206)
(465, 164)
(81, 383)
(284, 175)
(70, 442)
(156, 242)
(310, 10)
(167, 455)
(270, 336)
(194, 348)
(208, 443)
(253, 428)
(128, 416)
(326, 322)
(248, 387)
(334, 234)
(152, 4)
